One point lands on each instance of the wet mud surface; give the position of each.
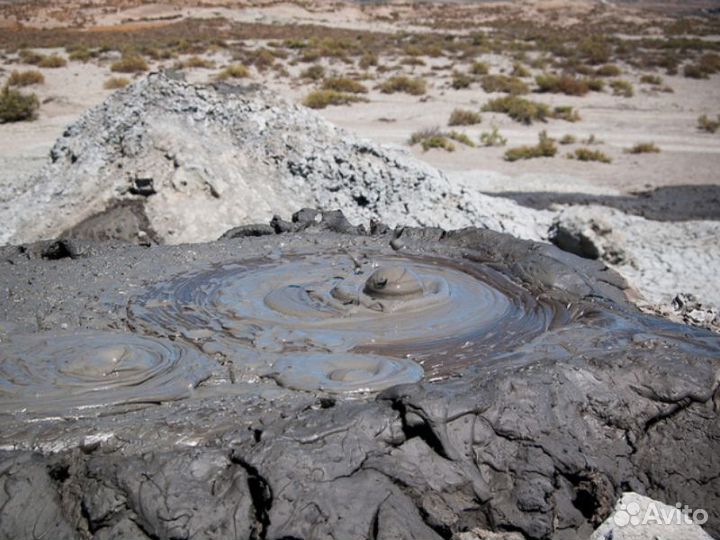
(314, 384)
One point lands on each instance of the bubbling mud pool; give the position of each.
(345, 323)
(58, 374)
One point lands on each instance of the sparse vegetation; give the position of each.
(25, 78)
(431, 138)
(233, 71)
(651, 79)
(52, 61)
(567, 113)
(461, 80)
(644, 148)
(314, 73)
(479, 68)
(568, 139)
(622, 88)
(368, 60)
(319, 99)
(16, 106)
(464, 117)
(492, 138)
(80, 54)
(462, 138)
(519, 109)
(402, 83)
(705, 123)
(546, 147)
(343, 84)
(591, 139)
(520, 71)
(608, 70)
(562, 84)
(197, 62)
(113, 83)
(587, 154)
(505, 84)
(130, 64)
(708, 64)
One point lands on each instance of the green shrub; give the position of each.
(25, 78)
(706, 124)
(608, 70)
(130, 64)
(319, 99)
(596, 85)
(462, 138)
(492, 138)
(52, 61)
(505, 84)
(567, 113)
(460, 80)
(651, 79)
(342, 84)
(479, 68)
(546, 147)
(562, 84)
(464, 117)
(520, 71)
(16, 106)
(314, 73)
(519, 109)
(568, 139)
(586, 154)
(431, 138)
(644, 148)
(233, 71)
(113, 83)
(622, 88)
(402, 83)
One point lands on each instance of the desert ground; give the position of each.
(501, 322)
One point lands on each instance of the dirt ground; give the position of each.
(687, 155)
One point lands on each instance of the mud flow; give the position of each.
(342, 323)
(52, 374)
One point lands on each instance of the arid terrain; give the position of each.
(501, 322)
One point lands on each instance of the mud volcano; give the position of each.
(328, 383)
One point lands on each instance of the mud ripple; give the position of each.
(443, 314)
(59, 374)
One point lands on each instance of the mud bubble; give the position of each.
(442, 314)
(65, 374)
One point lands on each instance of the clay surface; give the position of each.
(554, 394)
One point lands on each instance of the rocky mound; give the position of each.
(536, 410)
(170, 162)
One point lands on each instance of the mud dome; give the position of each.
(545, 393)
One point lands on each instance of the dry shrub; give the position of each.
(343, 84)
(233, 71)
(16, 106)
(319, 99)
(545, 147)
(133, 63)
(113, 83)
(464, 117)
(26, 78)
(402, 83)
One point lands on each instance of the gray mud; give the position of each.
(543, 397)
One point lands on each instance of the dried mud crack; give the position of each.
(538, 394)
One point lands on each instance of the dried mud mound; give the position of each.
(330, 390)
(171, 162)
